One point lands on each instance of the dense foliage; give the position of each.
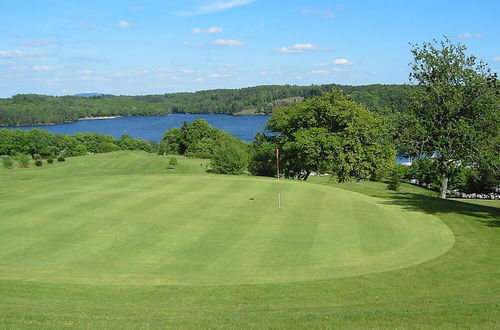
(331, 134)
(23, 110)
(454, 113)
(45, 144)
(483, 177)
(228, 154)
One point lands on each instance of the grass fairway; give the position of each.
(117, 240)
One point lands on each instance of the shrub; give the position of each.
(37, 156)
(23, 160)
(50, 160)
(7, 162)
(397, 174)
(61, 158)
(230, 157)
(38, 162)
(172, 162)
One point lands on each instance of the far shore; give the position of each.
(97, 118)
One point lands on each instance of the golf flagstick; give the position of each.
(278, 172)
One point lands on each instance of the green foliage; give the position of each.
(41, 110)
(197, 139)
(172, 162)
(397, 174)
(7, 162)
(331, 134)
(453, 113)
(23, 160)
(38, 162)
(425, 171)
(128, 143)
(61, 158)
(262, 156)
(43, 144)
(171, 142)
(50, 160)
(230, 156)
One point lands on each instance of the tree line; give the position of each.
(38, 143)
(32, 109)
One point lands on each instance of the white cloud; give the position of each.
(216, 6)
(210, 30)
(220, 75)
(121, 74)
(43, 68)
(318, 12)
(342, 61)
(469, 35)
(11, 53)
(84, 72)
(199, 80)
(300, 48)
(496, 59)
(124, 24)
(186, 71)
(318, 72)
(228, 42)
(91, 78)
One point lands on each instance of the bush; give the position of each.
(7, 162)
(61, 159)
(397, 174)
(50, 160)
(230, 157)
(38, 162)
(23, 160)
(37, 156)
(172, 162)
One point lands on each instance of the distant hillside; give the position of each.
(33, 109)
(88, 94)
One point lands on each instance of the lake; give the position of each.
(152, 128)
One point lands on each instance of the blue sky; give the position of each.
(60, 47)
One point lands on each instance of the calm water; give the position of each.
(152, 127)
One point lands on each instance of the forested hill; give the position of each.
(32, 109)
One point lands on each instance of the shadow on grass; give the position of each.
(433, 205)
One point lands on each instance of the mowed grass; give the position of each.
(117, 240)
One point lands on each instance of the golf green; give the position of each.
(173, 229)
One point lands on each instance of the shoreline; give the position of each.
(99, 118)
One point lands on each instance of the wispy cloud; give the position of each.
(318, 72)
(469, 35)
(92, 78)
(215, 7)
(12, 54)
(323, 13)
(43, 68)
(84, 72)
(124, 24)
(301, 48)
(496, 59)
(228, 42)
(342, 61)
(220, 75)
(37, 43)
(210, 30)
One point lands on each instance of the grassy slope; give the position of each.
(458, 289)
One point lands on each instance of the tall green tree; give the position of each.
(331, 134)
(453, 113)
